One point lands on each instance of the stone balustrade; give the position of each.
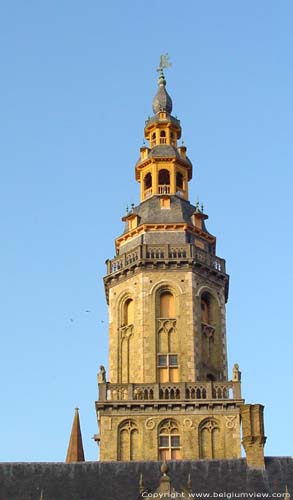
(183, 391)
(167, 253)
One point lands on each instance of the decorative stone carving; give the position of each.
(230, 421)
(126, 331)
(187, 422)
(150, 424)
(102, 375)
(236, 377)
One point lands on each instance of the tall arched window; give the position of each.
(169, 441)
(167, 339)
(179, 180)
(211, 347)
(167, 305)
(205, 315)
(209, 439)
(164, 181)
(148, 181)
(127, 354)
(128, 312)
(128, 440)
(163, 137)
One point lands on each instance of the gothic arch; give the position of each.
(209, 439)
(211, 334)
(128, 441)
(126, 355)
(166, 307)
(211, 291)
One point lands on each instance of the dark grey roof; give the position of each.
(120, 480)
(168, 119)
(150, 211)
(162, 101)
(166, 151)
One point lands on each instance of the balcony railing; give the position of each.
(164, 189)
(166, 253)
(184, 391)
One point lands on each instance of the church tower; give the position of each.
(169, 396)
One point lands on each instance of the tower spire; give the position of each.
(75, 451)
(162, 102)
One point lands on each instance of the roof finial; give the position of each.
(162, 101)
(164, 63)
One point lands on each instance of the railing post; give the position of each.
(182, 386)
(166, 251)
(156, 391)
(143, 251)
(102, 391)
(130, 392)
(209, 389)
(236, 387)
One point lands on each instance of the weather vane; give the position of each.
(164, 62)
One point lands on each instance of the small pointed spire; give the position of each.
(189, 484)
(75, 451)
(141, 483)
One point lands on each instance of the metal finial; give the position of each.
(202, 207)
(164, 63)
(127, 209)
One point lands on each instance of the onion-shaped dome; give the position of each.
(162, 101)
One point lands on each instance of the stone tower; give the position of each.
(168, 394)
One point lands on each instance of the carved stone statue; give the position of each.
(102, 375)
(236, 377)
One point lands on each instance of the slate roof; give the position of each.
(120, 480)
(150, 211)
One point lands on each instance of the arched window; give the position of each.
(127, 353)
(209, 439)
(211, 339)
(128, 312)
(148, 181)
(163, 137)
(167, 305)
(169, 441)
(168, 370)
(205, 313)
(128, 440)
(164, 177)
(153, 139)
(179, 180)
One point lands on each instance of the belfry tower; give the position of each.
(169, 396)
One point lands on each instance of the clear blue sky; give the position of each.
(77, 81)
